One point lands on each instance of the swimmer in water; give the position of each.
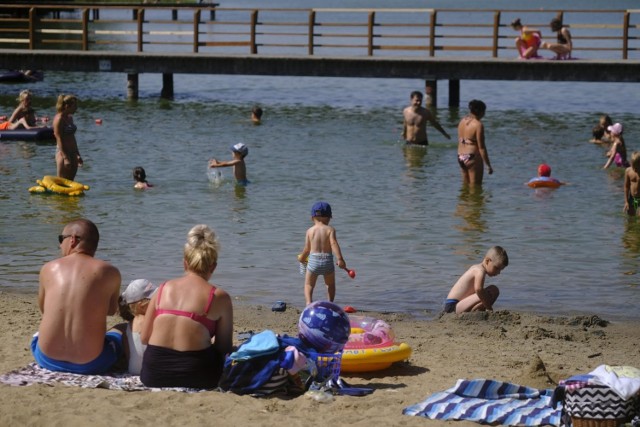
(256, 115)
(140, 177)
(544, 175)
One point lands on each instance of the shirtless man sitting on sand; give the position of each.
(77, 293)
(414, 128)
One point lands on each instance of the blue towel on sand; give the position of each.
(489, 402)
(266, 342)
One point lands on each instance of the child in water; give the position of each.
(240, 151)
(133, 303)
(256, 115)
(320, 246)
(544, 177)
(632, 185)
(140, 177)
(600, 132)
(618, 152)
(469, 293)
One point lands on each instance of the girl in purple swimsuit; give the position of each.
(618, 152)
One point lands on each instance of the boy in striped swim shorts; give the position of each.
(320, 246)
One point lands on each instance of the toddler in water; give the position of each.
(240, 151)
(600, 132)
(133, 303)
(544, 176)
(618, 152)
(469, 293)
(320, 245)
(256, 115)
(140, 177)
(632, 185)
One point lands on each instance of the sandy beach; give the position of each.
(522, 348)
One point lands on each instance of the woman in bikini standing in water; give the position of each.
(67, 155)
(472, 153)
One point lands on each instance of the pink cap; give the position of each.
(615, 129)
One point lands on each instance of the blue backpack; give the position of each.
(259, 367)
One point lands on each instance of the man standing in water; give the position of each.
(77, 293)
(414, 128)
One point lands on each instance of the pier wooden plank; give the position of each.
(326, 66)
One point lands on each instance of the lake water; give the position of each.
(403, 219)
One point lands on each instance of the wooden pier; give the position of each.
(426, 44)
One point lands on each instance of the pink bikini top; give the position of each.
(200, 318)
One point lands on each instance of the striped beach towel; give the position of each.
(34, 374)
(490, 402)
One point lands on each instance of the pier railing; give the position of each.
(414, 33)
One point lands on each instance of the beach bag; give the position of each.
(258, 368)
(597, 405)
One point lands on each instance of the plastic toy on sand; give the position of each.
(324, 327)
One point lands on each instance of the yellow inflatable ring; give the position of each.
(373, 359)
(60, 185)
(371, 346)
(544, 182)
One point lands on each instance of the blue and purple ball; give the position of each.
(324, 327)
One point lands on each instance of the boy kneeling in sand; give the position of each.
(469, 293)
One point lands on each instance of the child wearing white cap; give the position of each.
(133, 304)
(240, 151)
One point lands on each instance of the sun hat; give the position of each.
(615, 129)
(240, 148)
(321, 209)
(544, 170)
(138, 290)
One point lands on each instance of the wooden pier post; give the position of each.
(132, 86)
(431, 91)
(454, 93)
(167, 86)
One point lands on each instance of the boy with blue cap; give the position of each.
(240, 151)
(319, 248)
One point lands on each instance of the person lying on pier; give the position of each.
(528, 41)
(563, 47)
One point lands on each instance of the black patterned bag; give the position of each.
(595, 402)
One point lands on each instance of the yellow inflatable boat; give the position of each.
(56, 184)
